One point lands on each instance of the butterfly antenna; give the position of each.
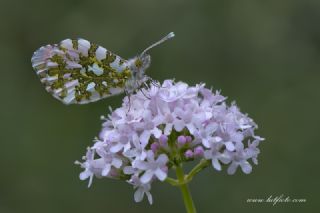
(167, 37)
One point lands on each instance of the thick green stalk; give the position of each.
(188, 202)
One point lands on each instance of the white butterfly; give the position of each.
(78, 71)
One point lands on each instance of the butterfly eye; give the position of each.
(138, 63)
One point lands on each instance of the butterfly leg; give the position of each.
(155, 83)
(148, 97)
(145, 86)
(129, 99)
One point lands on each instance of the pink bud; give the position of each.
(163, 140)
(154, 147)
(182, 140)
(189, 139)
(188, 154)
(198, 151)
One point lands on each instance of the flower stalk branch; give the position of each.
(187, 178)
(172, 181)
(200, 166)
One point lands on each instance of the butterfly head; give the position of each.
(143, 61)
(138, 65)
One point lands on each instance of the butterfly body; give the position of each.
(77, 71)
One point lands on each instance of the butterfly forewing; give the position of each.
(78, 71)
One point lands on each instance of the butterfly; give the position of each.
(77, 71)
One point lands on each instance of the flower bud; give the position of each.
(198, 151)
(188, 154)
(154, 147)
(163, 140)
(182, 140)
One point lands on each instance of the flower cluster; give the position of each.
(163, 126)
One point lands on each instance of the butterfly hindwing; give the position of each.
(79, 72)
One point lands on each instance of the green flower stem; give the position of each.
(188, 202)
(200, 166)
(183, 181)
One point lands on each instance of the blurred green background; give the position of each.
(263, 54)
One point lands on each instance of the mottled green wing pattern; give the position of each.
(79, 72)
